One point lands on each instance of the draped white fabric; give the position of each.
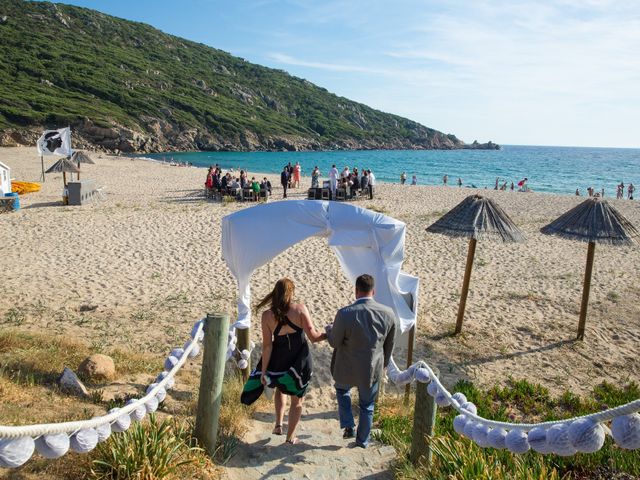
(363, 241)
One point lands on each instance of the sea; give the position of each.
(558, 170)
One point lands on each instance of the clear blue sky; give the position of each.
(564, 72)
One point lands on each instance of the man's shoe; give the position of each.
(348, 433)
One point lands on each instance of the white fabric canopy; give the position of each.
(364, 242)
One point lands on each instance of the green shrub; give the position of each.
(147, 451)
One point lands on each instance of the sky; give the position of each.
(563, 72)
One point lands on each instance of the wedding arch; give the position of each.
(362, 240)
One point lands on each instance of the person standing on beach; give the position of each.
(630, 190)
(296, 175)
(362, 337)
(364, 182)
(512, 186)
(284, 180)
(444, 179)
(333, 180)
(315, 177)
(497, 183)
(414, 180)
(459, 182)
(403, 178)
(372, 183)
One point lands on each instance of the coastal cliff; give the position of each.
(125, 86)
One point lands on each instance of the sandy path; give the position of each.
(322, 453)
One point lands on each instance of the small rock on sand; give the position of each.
(98, 367)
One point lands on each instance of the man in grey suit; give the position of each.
(362, 336)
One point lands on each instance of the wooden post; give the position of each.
(465, 284)
(410, 343)
(244, 342)
(585, 290)
(424, 421)
(216, 331)
(42, 164)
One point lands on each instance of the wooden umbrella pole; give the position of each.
(64, 178)
(585, 290)
(410, 343)
(465, 284)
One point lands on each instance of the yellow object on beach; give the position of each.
(24, 187)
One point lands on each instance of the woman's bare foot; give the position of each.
(292, 440)
(277, 430)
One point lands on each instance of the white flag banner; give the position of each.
(55, 142)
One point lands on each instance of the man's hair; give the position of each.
(365, 283)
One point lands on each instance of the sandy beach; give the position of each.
(136, 268)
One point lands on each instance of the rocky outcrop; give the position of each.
(159, 135)
(481, 146)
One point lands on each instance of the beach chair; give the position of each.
(341, 194)
(264, 194)
(311, 194)
(247, 195)
(326, 194)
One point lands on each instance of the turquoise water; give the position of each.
(549, 169)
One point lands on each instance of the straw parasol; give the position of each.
(593, 221)
(476, 218)
(79, 157)
(63, 165)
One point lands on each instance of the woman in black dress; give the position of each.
(286, 361)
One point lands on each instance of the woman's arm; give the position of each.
(267, 343)
(308, 326)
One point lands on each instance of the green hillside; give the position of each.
(127, 86)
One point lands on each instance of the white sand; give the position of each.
(148, 256)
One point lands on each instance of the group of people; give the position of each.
(228, 184)
(351, 180)
(362, 337)
(403, 179)
(619, 191)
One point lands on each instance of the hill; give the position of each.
(127, 86)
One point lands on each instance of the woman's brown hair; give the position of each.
(279, 298)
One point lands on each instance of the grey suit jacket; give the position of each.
(362, 337)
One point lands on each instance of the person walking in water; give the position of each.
(445, 178)
(459, 182)
(403, 178)
(630, 190)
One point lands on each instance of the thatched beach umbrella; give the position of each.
(63, 165)
(476, 218)
(79, 157)
(593, 221)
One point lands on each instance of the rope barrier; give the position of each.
(566, 437)
(17, 443)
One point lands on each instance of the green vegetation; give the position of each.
(62, 64)
(458, 458)
(149, 450)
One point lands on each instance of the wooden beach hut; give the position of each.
(593, 221)
(476, 218)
